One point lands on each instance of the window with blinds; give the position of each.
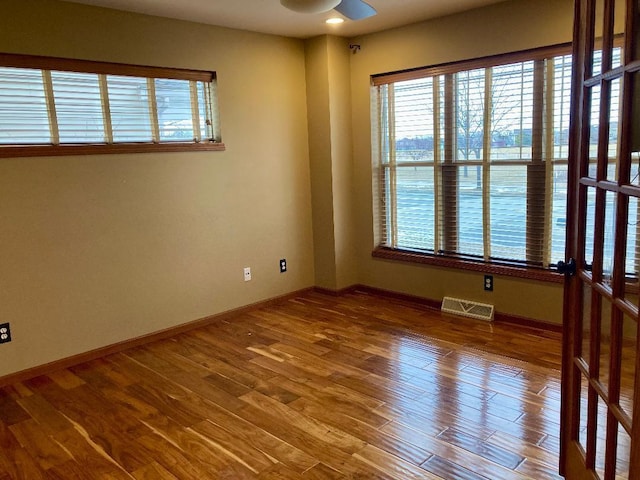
(471, 158)
(55, 106)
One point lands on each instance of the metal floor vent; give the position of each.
(467, 308)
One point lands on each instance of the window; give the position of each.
(59, 107)
(470, 160)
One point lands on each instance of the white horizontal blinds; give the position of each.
(383, 119)
(474, 162)
(414, 120)
(415, 207)
(592, 204)
(633, 235)
(558, 212)
(511, 136)
(536, 182)
(438, 157)
(609, 234)
(377, 189)
(186, 110)
(23, 107)
(51, 107)
(106, 109)
(211, 97)
(614, 115)
(383, 148)
(202, 95)
(447, 171)
(204, 113)
(102, 103)
(78, 105)
(594, 132)
(469, 107)
(548, 83)
(561, 105)
(130, 108)
(470, 210)
(486, 171)
(175, 115)
(614, 129)
(413, 137)
(392, 205)
(195, 111)
(511, 127)
(153, 110)
(508, 211)
(561, 68)
(632, 256)
(590, 225)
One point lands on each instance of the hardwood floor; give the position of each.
(316, 387)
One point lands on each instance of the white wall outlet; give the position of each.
(247, 274)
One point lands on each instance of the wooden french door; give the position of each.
(600, 425)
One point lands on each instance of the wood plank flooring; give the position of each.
(315, 387)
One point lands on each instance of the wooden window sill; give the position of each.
(10, 151)
(529, 273)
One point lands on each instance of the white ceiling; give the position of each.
(268, 16)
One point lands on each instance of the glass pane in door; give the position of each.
(584, 401)
(559, 210)
(590, 225)
(612, 141)
(609, 236)
(586, 323)
(594, 131)
(601, 437)
(623, 453)
(605, 342)
(632, 253)
(635, 166)
(596, 61)
(628, 366)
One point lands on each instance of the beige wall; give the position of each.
(504, 27)
(330, 156)
(342, 156)
(320, 161)
(99, 249)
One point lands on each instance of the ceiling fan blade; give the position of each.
(309, 6)
(355, 9)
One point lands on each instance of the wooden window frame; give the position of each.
(48, 64)
(528, 268)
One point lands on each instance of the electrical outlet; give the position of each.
(283, 265)
(5, 333)
(247, 274)
(488, 283)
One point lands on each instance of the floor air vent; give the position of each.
(467, 308)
